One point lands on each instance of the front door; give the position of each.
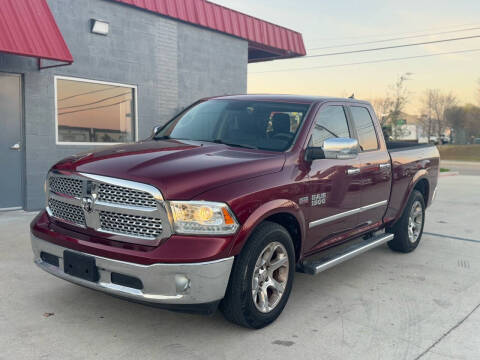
(333, 184)
(10, 141)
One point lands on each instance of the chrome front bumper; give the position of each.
(169, 284)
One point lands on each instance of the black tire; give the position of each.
(401, 242)
(238, 305)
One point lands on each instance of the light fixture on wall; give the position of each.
(99, 27)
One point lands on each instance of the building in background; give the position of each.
(84, 74)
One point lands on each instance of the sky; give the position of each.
(333, 23)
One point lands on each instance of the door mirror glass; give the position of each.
(334, 148)
(340, 148)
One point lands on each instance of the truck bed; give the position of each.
(409, 162)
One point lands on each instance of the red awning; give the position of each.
(27, 28)
(266, 41)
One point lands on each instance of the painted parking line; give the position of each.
(452, 237)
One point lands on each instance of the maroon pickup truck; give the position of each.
(221, 205)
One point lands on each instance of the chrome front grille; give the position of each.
(121, 195)
(68, 212)
(132, 225)
(131, 210)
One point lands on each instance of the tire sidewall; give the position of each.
(402, 241)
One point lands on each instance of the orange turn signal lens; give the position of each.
(228, 218)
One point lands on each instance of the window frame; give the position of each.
(69, 78)
(351, 120)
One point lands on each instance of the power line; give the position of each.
(397, 34)
(94, 108)
(392, 47)
(95, 102)
(394, 39)
(370, 62)
(87, 93)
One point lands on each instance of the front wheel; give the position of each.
(409, 228)
(261, 278)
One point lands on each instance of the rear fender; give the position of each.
(263, 212)
(419, 175)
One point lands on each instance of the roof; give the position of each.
(307, 99)
(266, 41)
(28, 28)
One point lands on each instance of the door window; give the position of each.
(331, 122)
(367, 138)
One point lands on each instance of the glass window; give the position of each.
(367, 138)
(331, 122)
(251, 124)
(91, 112)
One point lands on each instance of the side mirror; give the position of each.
(155, 130)
(334, 148)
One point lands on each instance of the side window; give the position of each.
(331, 122)
(367, 138)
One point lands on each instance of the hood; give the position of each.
(180, 169)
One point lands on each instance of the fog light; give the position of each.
(182, 283)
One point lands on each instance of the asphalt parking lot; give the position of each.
(380, 305)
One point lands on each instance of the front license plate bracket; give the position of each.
(81, 266)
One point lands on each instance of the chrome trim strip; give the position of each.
(346, 213)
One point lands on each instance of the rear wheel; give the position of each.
(261, 278)
(409, 228)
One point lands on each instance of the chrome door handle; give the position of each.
(385, 166)
(15, 147)
(353, 171)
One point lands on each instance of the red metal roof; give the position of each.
(27, 27)
(266, 41)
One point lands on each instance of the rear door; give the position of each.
(374, 163)
(10, 141)
(333, 193)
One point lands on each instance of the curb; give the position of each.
(449, 173)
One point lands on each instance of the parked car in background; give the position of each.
(221, 205)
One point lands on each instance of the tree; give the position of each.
(390, 107)
(383, 108)
(435, 104)
(478, 92)
(465, 121)
(400, 97)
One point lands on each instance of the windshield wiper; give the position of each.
(246, 146)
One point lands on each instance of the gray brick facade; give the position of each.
(171, 63)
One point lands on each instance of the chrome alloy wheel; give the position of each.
(415, 221)
(270, 277)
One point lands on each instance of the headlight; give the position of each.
(202, 217)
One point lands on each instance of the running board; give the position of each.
(313, 267)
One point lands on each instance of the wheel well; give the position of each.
(290, 223)
(424, 188)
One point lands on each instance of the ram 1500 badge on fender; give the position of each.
(220, 206)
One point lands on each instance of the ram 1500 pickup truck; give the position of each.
(223, 203)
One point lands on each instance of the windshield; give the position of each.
(250, 124)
